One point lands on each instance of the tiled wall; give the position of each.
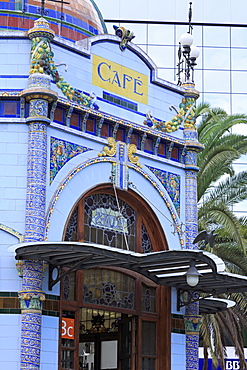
(10, 341)
(13, 72)
(178, 357)
(49, 343)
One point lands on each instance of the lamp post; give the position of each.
(187, 55)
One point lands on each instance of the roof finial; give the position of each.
(190, 17)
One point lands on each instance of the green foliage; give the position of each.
(219, 189)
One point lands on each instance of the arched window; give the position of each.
(117, 219)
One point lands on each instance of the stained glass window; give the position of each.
(71, 232)
(108, 288)
(148, 299)
(146, 242)
(109, 222)
(69, 285)
(108, 321)
(148, 345)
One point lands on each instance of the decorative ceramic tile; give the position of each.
(61, 152)
(171, 183)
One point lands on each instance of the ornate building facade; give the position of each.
(98, 199)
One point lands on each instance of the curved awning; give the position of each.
(165, 268)
(213, 305)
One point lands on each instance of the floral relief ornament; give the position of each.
(185, 115)
(42, 62)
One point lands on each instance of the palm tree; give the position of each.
(219, 189)
(222, 148)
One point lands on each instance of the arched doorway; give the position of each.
(121, 319)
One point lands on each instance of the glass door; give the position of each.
(127, 342)
(98, 352)
(109, 349)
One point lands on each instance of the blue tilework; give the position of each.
(191, 230)
(12, 76)
(61, 152)
(36, 182)
(31, 321)
(31, 295)
(171, 182)
(32, 276)
(30, 342)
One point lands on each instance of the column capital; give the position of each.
(39, 88)
(39, 95)
(192, 324)
(41, 29)
(190, 91)
(31, 301)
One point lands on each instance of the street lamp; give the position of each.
(192, 275)
(187, 55)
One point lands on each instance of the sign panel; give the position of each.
(230, 364)
(68, 328)
(119, 79)
(109, 219)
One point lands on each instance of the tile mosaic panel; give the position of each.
(61, 152)
(171, 182)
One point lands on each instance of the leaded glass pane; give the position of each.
(148, 338)
(146, 242)
(148, 299)
(148, 364)
(71, 232)
(69, 285)
(109, 222)
(108, 321)
(108, 288)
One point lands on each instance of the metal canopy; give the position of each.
(165, 268)
(213, 305)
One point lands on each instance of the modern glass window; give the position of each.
(217, 81)
(216, 36)
(216, 58)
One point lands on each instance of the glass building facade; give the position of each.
(220, 32)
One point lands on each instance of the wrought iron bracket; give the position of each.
(185, 297)
(60, 274)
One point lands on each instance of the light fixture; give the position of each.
(186, 40)
(192, 275)
(194, 52)
(187, 55)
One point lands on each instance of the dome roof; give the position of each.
(74, 21)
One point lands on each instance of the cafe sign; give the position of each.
(119, 79)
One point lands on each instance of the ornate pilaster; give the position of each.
(191, 318)
(38, 95)
(192, 329)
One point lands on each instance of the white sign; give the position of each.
(108, 219)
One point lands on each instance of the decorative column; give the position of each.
(38, 95)
(192, 318)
